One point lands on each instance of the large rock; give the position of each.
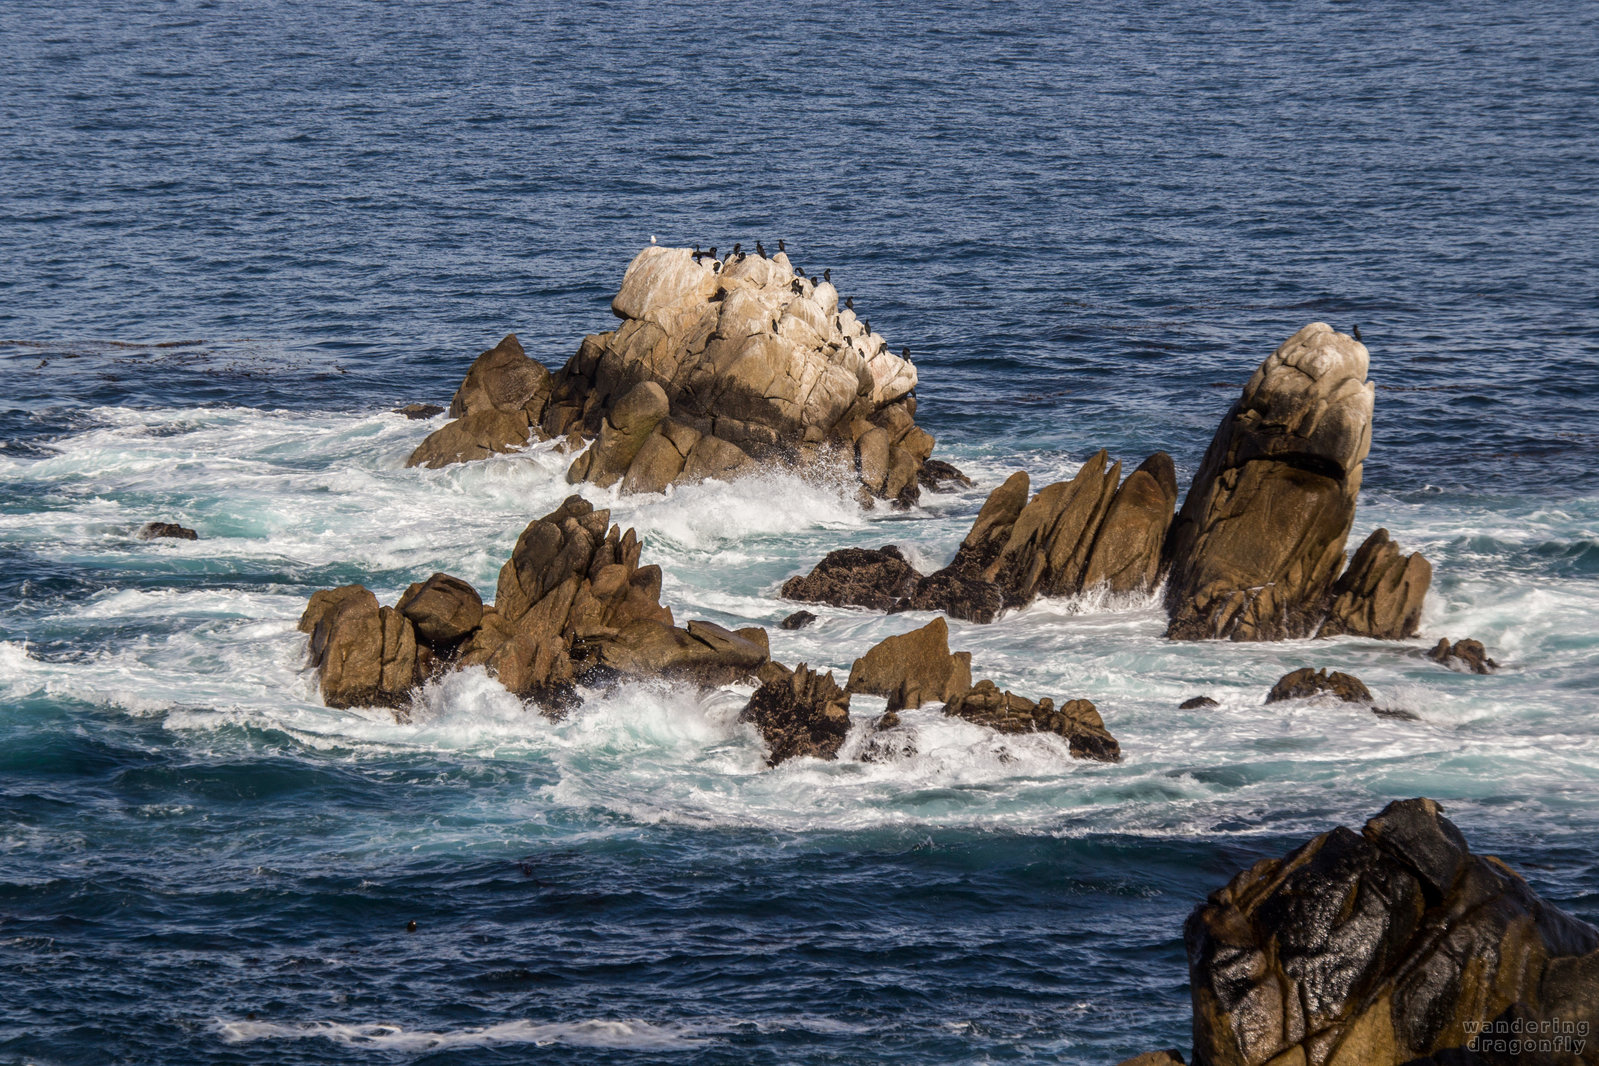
(971, 599)
(445, 610)
(472, 437)
(1047, 550)
(1392, 945)
(1126, 556)
(751, 356)
(913, 668)
(1381, 593)
(856, 577)
(365, 655)
(1260, 537)
(992, 528)
(493, 411)
(799, 714)
(1304, 683)
(1076, 720)
(703, 652)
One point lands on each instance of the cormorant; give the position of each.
(760, 249)
(737, 250)
(868, 324)
(1356, 333)
(849, 303)
(827, 275)
(797, 287)
(712, 252)
(697, 252)
(905, 353)
(780, 245)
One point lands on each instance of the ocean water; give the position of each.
(234, 237)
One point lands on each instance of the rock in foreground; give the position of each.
(1386, 947)
(1076, 720)
(799, 714)
(913, 668)
(1466, 655)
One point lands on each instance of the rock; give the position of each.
(1305, 682)
(1171, 1057)
(1127, 552)
(939, 476)
(801, 715)
(365, 654)
(1397, 713)
(1197, 702)
(888, 740)
(946, 590)
(992, 528)
(1076, 720)
(1463, 655)
(445, 610)
(325, 601)
(856, 577)
(629, 423)
(1392, 945)
(154, 530)
(703, 653)
(415, 411)
(1260, 537)
(798, 620)
(753, 358)
(495, 410)
(1047, 550)
(472, 437)
(913, 668)
(1381, 593)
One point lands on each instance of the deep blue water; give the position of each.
(233, 236)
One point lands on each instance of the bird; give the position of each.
(827, 275)
(1356, 333)
(868, 324)
(813, 283)
(712, 252)
(905, 353)
(697, 252)
(42, 364)
(797, 286)
(849, 303)
(410, 927)
(780, 245)
(652, 238)
(760, 249)
(716, 268)
(738, 250)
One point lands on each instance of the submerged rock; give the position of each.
(1381, 593)
(1076, 720)
(797, 620)
(1305, 682)
(156, 530)
(1463, 655)
(1196, 703)
(799, 714)
(913, 668)
(1260, 537)
(418, 411)
(1392, 945)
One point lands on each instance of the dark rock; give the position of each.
(913, 668)
(1076, 720)
(1172, 1057)
(1463, 655)
(804, 714)
(1388, 946)
(416, 411)
(154, 530)
(798, 620)
(888, 740)
(1047, 551)
(971, 599)
(1305, 682)
(1126, 556)
(856, 577)
(472, 437)
(1197, 702)
(939, 476)
(1381, 593)
(992, 528)
(1397, 713)
(1260, 538)
(444, 609)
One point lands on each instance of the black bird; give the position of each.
(697, 251)
(1356, 332)
(813, 283)
(760, 249)
(716, 268)
(712, 252)
(868, 324)
(738, 252)
(797, 287)
(827, 275)
(905, 353)
(410, 927)
(780, 245)
(849, 303)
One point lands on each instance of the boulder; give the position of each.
(797, 620)
(623, 431)
(1170, 1057)
(703, 653)
(1127, 551)
(992, 528)
(419, 411)
(1260, 538)
(1195, 703)
(445, 610)
(1381, 593)
(1305, 682)
(495, 410)
(155, 530)
(913, 668)
(754, 358)
(1465, 655)
(1047, 550)
(1392, 945)
(1076, 720)
(472, 437)
(365, 654)
(856, 577)
(971, 599)
(802, 714)
(325, 601)
(939, 476)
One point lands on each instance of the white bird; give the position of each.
(652, 238)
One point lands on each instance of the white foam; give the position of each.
(628, 1034)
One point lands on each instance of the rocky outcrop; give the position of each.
(157, 530)
(1304, 683)
(419, 411)
(1260, 538)
(969, 599)
(1076, 720)
(753, 364)
(1126, 556)
(1198, 703)
(1392, 945)
(493, 411)
(799, 714)
(573, 605)
(1464, 655)
(1381, 593)
(856, 577)
(797, 620)
(913, 668)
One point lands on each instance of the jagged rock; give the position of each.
(1126, 556)
(626, 426)
(797, 620)
(803, 714)
(444, 609)
(1197, 702)
(1396, 713)
(992, 528)
(325, 601)
(1048, 546)
(1305, 682)
(417, 411)
(939, 476)
(1260, 537)
(365, 655)
(1076, 720)
(1465, 654)
(1381, 593)
(1388, 946)
(1171, 1057)
(494, 410)
(913, 668)
(751, 357)
(155, 530)
(946, 590)
(703, 653)
(888, 740)
(856, 577)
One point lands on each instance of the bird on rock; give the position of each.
(1355, 332)
(760, 249)
(697, 252)
(849, 303)
(780, 245)
(827, 275)
(738, 250)
(797, 286)
(905, 354)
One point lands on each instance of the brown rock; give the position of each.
(1171, 1057)
(444, 609)
(913, 668)
(803, 714)
(797, 620)
(1195, 703)
(1389, 946)
(657, 465)
(475, 436)
(1260, 537)
(503, 379)
(1463, 655)
(1381, 593)
(971, 599)
(703, 653)
(325, 601)
(1076, 720)
(155, 530)
(418, 411)
(1048, 546)
(1126, 556)
(939, 476)
(626, 427)
(992, 529)
(714, 459)
(856, 577)
(366, 655)
(1305, 682)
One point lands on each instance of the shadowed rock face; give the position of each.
(856, 577)
(913, 668)
(1076, 720)
(1260, 537)
(1384, 947)
(1381, 593)
(799, 714)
